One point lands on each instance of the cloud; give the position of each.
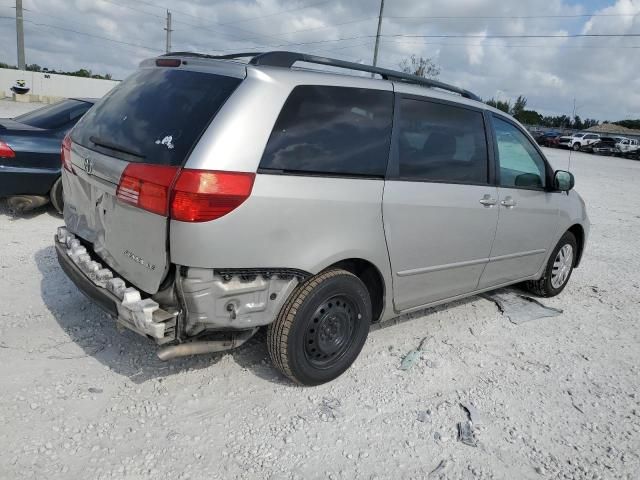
(601, 73)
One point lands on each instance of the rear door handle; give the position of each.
(508, 202)
(488, 200)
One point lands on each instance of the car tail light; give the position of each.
(65, 153)
(202, 195)
(147, 186)
(6, 151)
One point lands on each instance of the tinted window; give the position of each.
(334, 130)
(590, 137)
(442, 143)
(55, 116)
(520, 163)
(155, 115)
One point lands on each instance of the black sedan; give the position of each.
(30, 153)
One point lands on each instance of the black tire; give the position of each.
(544, 286)
(576, 147)
(321, 329)
(55, 195)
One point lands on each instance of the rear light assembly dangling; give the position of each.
(65, 153)
(184, 194)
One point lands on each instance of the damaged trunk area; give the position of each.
(195, 310)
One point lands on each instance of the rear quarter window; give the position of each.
(154, 116)
(331, 130)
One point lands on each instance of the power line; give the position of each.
(511, 17)
(108, 39)
(278, 13)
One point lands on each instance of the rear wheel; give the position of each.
(321, 329)
(559, 268)
(55, 195)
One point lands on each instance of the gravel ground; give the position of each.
(558, 397)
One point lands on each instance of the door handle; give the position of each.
(508, 202)
(488, 200)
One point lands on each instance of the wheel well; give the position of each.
(578, 232)
(369, 274)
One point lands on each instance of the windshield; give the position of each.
(55, 116)
(154, 116)
(578, 135)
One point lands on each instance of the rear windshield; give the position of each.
(155, 115)
(55, 116)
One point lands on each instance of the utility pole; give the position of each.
(375, 50)
(20, 34)
(168, 29)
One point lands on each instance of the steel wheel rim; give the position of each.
(331, 331)
(562, 266)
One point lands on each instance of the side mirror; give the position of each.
(563, 181)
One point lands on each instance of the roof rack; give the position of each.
(288, 59)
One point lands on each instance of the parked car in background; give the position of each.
(195, 218)
(604, 146)
(549, 139)
(30, 153)
(578, 141)
(627, 146)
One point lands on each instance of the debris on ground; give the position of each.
(424, 416)
(519, 308)
(439, 468)
(473, 412)
(466, 434)
(330, 408)
(413, 356)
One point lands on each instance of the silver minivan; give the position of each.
(206, 197)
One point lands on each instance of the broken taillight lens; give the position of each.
(65, 153)
(147, 186)
(203, 195)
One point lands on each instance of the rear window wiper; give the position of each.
(112, 146)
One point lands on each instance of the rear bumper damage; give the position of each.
(142, 315)
(200, 310)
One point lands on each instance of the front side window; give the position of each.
(520, 163)
(332, 130)
(441, 143)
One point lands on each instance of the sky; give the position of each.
(601, 73)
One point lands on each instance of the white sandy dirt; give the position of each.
(558, 397)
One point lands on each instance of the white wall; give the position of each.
(52, 85)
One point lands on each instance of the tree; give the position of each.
(505, 106)
(577, 123)
(529, 117)
(420, 66)
(518, 107)
(629, 123)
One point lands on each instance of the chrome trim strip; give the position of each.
(516, 255)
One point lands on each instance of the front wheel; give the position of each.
(55, 195)
(321, 329)
(576, 147)
(558, 270)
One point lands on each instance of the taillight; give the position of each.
(201, 195)
(65, 153)
(6, 151)
(147, 186)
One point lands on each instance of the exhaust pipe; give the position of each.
(196, 348)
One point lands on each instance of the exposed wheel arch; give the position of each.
(578, 232)
(371, 276)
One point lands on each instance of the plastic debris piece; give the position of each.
(466, 434)
(424, 416)
(519, 308)
(331, 408)
(439, 468)
(474, 413)
(413, 356)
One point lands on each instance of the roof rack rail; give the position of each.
(288, 59)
